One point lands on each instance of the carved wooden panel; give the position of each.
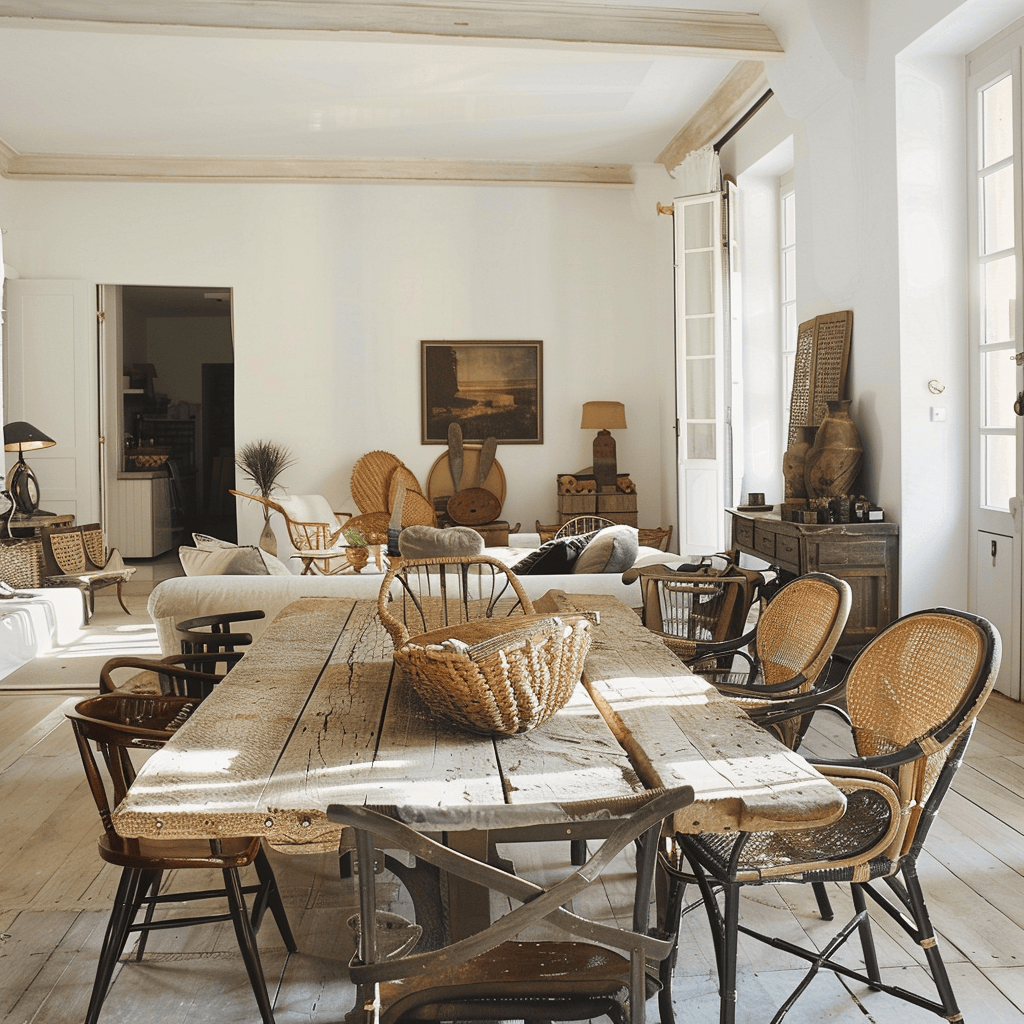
(819, 373)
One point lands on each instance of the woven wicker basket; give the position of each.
(493, 677)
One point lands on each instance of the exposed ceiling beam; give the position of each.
(43, 167)
(643, 29)
(738, 92)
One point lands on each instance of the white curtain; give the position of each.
(699, 173)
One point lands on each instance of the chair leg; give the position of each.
(270, 895)
(824, 903)
(926, 939)
(130, 889)
(247, 944)
(727, 973)
(153, 890)
(120, 598)
(867, 939)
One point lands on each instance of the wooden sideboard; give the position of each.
(866, 555)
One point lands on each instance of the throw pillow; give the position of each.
(431, 542)
(612, 549)
(275, 567)
(555, 558)
(222, 561)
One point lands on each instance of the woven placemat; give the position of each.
(370, 478)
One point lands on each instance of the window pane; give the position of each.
(789, 332)
(700, 336)
(999, 378)
(789, 219)
(697, 226)
(700, 441)
(700, 389)
(1000, 290)
(997, 121)
(999, 460)
(789, 275)
(700, 292)
(997, 200)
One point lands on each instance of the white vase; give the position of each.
(267, 539)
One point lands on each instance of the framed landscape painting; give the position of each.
(491, 388)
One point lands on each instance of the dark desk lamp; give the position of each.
(22, 437)
(604, 417)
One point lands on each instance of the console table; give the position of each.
(866, 555)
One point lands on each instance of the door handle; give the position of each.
(995, 548)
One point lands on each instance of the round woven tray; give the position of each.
(514, 676)
(416, 510)
(371, 476)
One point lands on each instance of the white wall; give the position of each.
(334, 286)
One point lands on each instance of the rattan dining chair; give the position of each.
(912, 694)
(115, 724)
(435, 592)
(787, 652)
(490, 975)
(582, 524)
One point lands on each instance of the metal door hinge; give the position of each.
(101, 315)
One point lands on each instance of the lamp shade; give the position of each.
(603, 416)
(20, 436)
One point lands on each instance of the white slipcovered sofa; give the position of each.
(190, 596)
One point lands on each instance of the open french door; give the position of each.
(996, 338)
(703, 374)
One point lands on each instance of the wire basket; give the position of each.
(492, 677)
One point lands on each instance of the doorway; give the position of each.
(171, 412)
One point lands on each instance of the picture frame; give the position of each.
(492, 388)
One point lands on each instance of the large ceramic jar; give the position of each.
(794, 461)
(834, 459)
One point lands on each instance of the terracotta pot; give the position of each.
(835, 457)
(794, 460)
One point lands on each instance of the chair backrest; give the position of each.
(660, 537)
(799, 628)
(920, 683)
(175, 676)
(582, 524)
(312, 524)
(64, 551)
(95, 545)
(695, 603)
(436, 592)
(118, 724)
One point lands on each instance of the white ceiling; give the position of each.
(177, 95)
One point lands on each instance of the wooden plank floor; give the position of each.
(55, 895)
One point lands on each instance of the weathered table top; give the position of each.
(314, 715)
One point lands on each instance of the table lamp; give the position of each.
(604, 417)
(22, 437)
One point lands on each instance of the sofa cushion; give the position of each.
(555, 558)
(430, 542)
(612, 549)
(233, 561)
(275, 567)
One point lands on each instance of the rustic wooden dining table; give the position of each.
(314, 714)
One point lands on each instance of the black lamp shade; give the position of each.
(20, 436)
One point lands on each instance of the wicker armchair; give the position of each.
(913, 694)
(787, 652)
(313, 526)
(437, 592)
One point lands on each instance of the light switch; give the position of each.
(938, 414)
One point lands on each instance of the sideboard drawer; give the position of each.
(764, 541)
(787, 552)
(742, 532)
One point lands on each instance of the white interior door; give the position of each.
(701, 373)
(50, 380)
(994, 166)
